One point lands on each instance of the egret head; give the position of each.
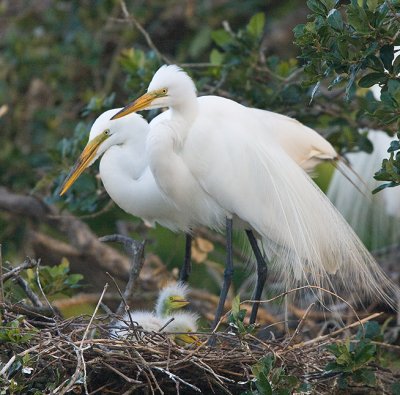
(183, 327)
(171, 298)
(103, 135)
(169, 87)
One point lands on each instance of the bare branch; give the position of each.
(131, 18)
(27, 264)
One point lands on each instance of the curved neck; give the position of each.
(186, 109)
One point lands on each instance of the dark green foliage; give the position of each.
(271, 379)
(55, 280)
(353, 357)
(350, 44)
(237, 316)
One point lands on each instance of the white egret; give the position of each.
(184, 325)
(147, 320)
(124, 170)
(127, 178)
(171, 298)
(213, 158)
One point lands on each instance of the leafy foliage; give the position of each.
(350, 44)
(55, 280)
(352, 358)
(10, 332)
(272, 380)
(237, 316)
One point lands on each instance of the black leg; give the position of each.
(262, 272)
(187, 265)
(227, 274)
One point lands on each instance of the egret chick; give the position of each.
(171, 298)
(182, 328)
(147, 320)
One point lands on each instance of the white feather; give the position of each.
(219, 161)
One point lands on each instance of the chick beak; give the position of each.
(178, 303)
(187, 338)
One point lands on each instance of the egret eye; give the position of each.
(107, 132)
(164, 91)
(171, 298)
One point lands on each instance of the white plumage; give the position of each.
(213, 158)
(170, 298)
(147, 320)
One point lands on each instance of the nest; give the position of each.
(78, 356)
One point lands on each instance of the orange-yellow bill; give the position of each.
(139, 104)
(83, 162)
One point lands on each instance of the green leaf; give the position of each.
(394, 146)
(221, 37)
(256, 25)
(236, 305)
(263, 385)
(216, 57)
(387, 55)
(371, 79)
(384, 186)
(317, 7)
(335, 19)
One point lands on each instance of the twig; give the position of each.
(7, 365)
(146, 35)
(135, 250)
(27, 264)
(174, 377)
(126, 378)
(166, 324)
(299, 326)
(45, 297)
(28, 291)
(324, 337)
(93, 315)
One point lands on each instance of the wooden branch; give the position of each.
(27, 264)
(135, 250)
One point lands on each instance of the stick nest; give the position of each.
(79, 356)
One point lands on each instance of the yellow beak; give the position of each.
(83, 162)
(177, 303)
(141, 103)
(186, 338)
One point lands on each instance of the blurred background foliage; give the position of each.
(62, 63)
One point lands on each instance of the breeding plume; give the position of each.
(215, 159)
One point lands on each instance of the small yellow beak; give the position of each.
(83, 162)
(186, 338)
(141, 103)
(178, 303)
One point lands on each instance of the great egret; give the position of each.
(129, 182)
(183, 327)
(171, 298)
(124, 170)
(214, 159)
